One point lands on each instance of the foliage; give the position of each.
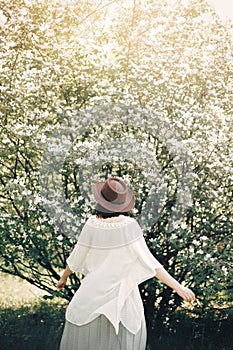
(82, 80)
(47, 321)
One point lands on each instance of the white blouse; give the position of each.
(115, 259)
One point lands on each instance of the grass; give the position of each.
(36, 326)
(29, 322)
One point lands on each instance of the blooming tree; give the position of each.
(136, 89)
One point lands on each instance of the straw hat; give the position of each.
(114, 195)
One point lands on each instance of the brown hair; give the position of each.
(102, 213)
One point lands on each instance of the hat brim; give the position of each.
(109, 206)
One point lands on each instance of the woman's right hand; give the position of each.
(61, 283)
(186, 293)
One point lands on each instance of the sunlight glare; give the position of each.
(224, 8)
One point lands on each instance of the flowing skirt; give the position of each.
(100, 335)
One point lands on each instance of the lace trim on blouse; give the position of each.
(94, 221)
(107, 235)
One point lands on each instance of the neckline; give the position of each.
(94, 221)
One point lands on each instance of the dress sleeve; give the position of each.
(143, 254)
(77, 259)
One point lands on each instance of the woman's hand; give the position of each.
(186, 293)
(61, 283)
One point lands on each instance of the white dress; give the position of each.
(115, 259)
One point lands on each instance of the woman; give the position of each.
(106, 312)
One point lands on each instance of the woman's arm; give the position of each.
(184, 292)
(62, 282)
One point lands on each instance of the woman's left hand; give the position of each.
(186, 293)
